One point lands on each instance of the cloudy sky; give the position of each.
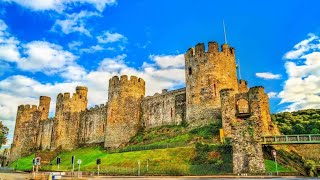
(51, 46)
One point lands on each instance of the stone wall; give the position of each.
(93, 125)
(245, 128)
(124, 110)
(45, 134)
(206, 74)
(167, 108)
(67, 119)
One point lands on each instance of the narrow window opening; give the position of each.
(171, 113)
(215, 89)
(190, 71)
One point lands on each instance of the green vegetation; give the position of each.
(175, 134)
(23, 164)
(160, 161)
(212, 159)
(3, 134)
(271, 167)
(299, 122)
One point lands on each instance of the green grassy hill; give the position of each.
(206, 157)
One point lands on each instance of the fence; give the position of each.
(148, 147)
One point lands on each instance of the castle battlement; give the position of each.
(27, 107)
(97, 107)
(213, 48)
(116, 82)
(133, 86)
(256, 90)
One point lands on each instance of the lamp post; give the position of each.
(274, 153)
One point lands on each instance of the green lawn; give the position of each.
(271, 167)
(159, 161)
(23, 164)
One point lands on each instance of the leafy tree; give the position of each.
(3, 134)
(298, 122)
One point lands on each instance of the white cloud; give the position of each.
(8, 44)
(109, 37)
(268, 75)
(93, 49)
(60, 5)
(272, 94)
(74, 22)
(74, 45)
(302, 88)
(165, 61)
(301, 48)
(45, 57)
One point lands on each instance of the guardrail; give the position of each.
(292, 139)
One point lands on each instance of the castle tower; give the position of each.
(243, 86)
(207, 72)
(244, 127)
(44, 106)
(123, 114)
(67, 118)
(259, 106)
(26, 130)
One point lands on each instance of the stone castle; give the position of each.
(213, 93)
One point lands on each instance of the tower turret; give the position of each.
(44, 107)
(123, 114)
(207, 72)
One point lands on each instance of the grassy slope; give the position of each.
(271, 167)
(159, 160)
(23, 164)
(166, 161)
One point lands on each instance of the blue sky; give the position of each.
(51, 46)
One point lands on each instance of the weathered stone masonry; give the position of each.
(212, 92)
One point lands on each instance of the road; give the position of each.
(24, 176)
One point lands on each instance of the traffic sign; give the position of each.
(37, 161)
(98, 161)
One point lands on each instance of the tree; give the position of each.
(3, 134)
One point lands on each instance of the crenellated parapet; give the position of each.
(75, 103)
(207, 72)
(123, 85)
(213, 50)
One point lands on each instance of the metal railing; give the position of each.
(292, 139)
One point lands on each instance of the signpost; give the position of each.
(274, 153)
(72, 162)
(58, 162)
(79, 162)
(98, 165)
(139, 168)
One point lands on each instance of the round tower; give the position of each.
(208, 72)
(44, 107)
(123, 115)
(82, 93)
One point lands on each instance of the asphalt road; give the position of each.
(24, 176)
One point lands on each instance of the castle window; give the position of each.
(242, 106)
(43, 109)
(103, 127)
(171, 113)
(190, 70)
(215, 89)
